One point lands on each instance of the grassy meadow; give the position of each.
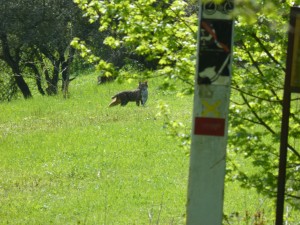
(76, 161)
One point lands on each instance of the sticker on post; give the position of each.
(209, 126)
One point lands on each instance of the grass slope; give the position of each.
(77, 161)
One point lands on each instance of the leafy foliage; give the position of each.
(164, 32)
(257, 100)
(35, 41)
(174, 128)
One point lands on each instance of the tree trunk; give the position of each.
(66, 72)
(52, 82)
(22, 85)
(14, 65)
(37, 77)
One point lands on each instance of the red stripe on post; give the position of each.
(209, 126)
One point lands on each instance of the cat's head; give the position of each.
(143, 85)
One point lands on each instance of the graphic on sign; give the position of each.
(215, 53)
(211, 109)
(209, 126)
(220, 11)
(215, 43)
(211, 106)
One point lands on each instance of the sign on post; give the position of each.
(210, 114)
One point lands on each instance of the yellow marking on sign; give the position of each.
(211, 109)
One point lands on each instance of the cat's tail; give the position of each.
(115, 101)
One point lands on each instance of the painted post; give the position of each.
(210, 114)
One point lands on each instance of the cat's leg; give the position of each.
(144, 97)
(124, 102)
(143, 101)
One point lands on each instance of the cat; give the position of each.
(104, 79)
(140, 95)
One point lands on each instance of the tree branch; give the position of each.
(263, 47)
(254, 96)
(261, 122)
(255, 64)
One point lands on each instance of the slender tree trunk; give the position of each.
(53, 82)
(37, 77)
(66, 72)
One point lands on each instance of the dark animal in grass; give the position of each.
(105, 79)
(139, 95)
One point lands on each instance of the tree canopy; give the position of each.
(162, 32)
(35, 39)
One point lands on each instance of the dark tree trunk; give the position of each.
(37, 77)
(14, 65)
(66, 71)
(52, 82)
(22, 85)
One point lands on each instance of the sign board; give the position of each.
(210, 114)
(294, 53)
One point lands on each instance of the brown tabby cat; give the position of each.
(140, 95)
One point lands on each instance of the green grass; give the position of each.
(76, 161)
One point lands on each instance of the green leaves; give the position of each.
(84, 51)
(174, 128)
(164, 33)
(260, 55)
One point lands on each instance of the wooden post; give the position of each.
(292, 84)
